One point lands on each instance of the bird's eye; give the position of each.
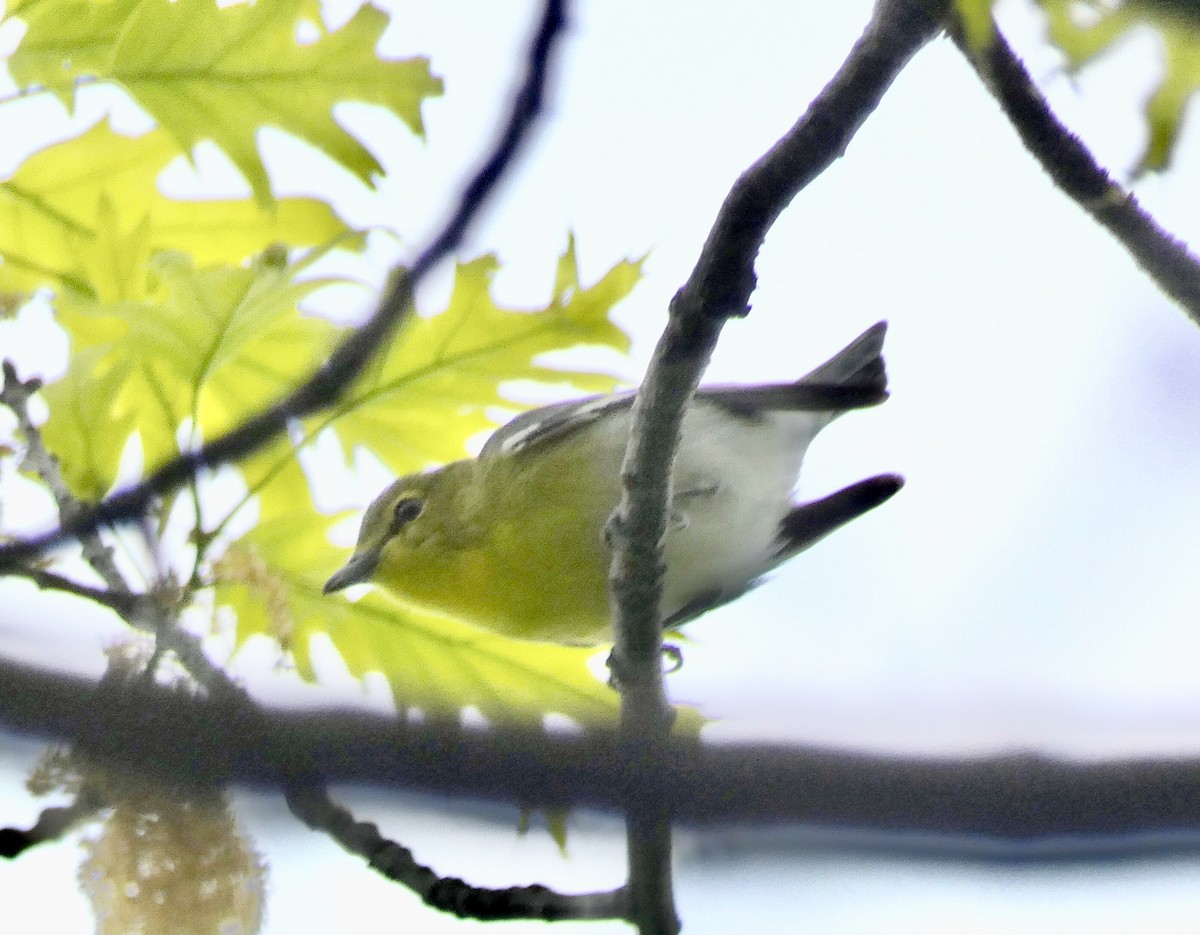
(406, 510)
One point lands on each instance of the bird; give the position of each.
(514, 540)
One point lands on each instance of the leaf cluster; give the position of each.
(185, 316)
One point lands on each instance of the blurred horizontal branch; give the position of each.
(1022, 801)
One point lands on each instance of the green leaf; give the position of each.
(209, 73)
(556, 824)
(220, 331)
(1084, 30)
(429, 391)
(71, 205)
(205, 347)
(65, 40)
(223, 73)
(83, 431)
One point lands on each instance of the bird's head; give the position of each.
(417, 512)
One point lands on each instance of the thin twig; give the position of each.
(305, 790)
(52, 824)
(294, 771)
(447, 894)
(327, 384)
(1072, 167)
(153, 612)
(126, 604)
(15, 394)
(719, 288)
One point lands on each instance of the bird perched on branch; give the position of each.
(514, 540)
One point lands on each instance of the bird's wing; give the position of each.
(852, 379)
(709, 600)
(552, 423)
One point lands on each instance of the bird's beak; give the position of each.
(359, 568)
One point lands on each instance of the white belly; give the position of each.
(733, 482)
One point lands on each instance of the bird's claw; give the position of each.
(670, 651)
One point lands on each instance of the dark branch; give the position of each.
(1069, 163)
(51, 825)
(349, 360)
(126, 604)
(1025, 802)
(721, 284)
(719, 288)
(447, 894)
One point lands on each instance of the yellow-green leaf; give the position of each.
(212, 345)
(71, 204)
(223, 73)
(1083, 30)
(84, 431)
(429, 391)
(65, 40)
(556, 824)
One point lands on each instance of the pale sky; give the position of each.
(1033, 585)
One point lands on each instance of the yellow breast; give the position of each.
(521, 550)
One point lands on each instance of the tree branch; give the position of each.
(125, 604)
(1071, 166)
(1016, 804)
(51, 825)
(15, 394)
(349, 359)
(719, 288)
(447, 894)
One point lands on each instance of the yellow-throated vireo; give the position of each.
(513, 540)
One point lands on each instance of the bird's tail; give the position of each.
(854, 378)
(859, 364)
